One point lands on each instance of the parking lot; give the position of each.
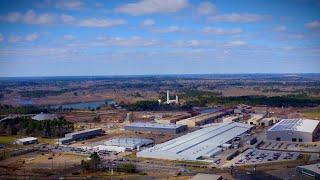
(291, 146)
(254, 156)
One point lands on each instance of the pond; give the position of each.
(84, 105)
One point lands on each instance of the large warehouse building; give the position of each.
(155, 128)
(129, 143)
(27, 140)
(81, 135)
(295, 130)
(203, 143)
(202, 119)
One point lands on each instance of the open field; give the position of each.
(38, 163)
(312, 114)
(7, 140)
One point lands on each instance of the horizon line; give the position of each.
(119, 75)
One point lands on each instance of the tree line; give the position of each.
(154, 106)
(29, 127)
(274, 101)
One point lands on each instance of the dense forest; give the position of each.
(154, 106)
(41, 93)
(29, 127)
(7, 109)
(203, 98)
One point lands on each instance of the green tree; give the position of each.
(127, 168)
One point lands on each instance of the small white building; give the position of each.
(109, 148)
(44, 116)
(27, 140)
(255, 118)
(268, 121)
(295, 130)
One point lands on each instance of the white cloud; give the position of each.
(170, 29)
(67, 18)
(194, 42)
(70, 4)
(237, 43)
(222, 31)
(313, 25)
(69, 37)
(94, 22)
(30, 17)
(238, 18)
(32, 37)
(153, 6)
(280, 28)
(14, 39)
(206, 8)
(118, 41)
(148, 22)
(11, 17)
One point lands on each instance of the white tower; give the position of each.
(168, 97)
(177, 100)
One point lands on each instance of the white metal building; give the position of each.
(109, 148)
(155, 128)
(81, 135)
(129, 143)
(27, 140)
(199, 144)
(295, 130)
(44, 116)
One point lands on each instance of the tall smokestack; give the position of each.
(168, 97)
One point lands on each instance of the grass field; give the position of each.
(312, 114)
(7, 139)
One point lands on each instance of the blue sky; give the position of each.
(78, 37)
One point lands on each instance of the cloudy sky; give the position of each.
(114, 37)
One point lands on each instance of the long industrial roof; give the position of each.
(202, 117)
(303, 125)
(154, 125)
(128, 142)
(83, 131)
(201, 143)
(27, 139)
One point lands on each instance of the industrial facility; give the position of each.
(295, 130)
(256, 118)
(155, 128)
(268, 121)
(169, 101)
(202, 119)
(200, 144)
(81, 135)
(129, 143)
(27, 140)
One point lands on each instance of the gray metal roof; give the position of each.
(303, 125)
(201, 143)
(83, 131)
(128, 142)
(154, 125)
